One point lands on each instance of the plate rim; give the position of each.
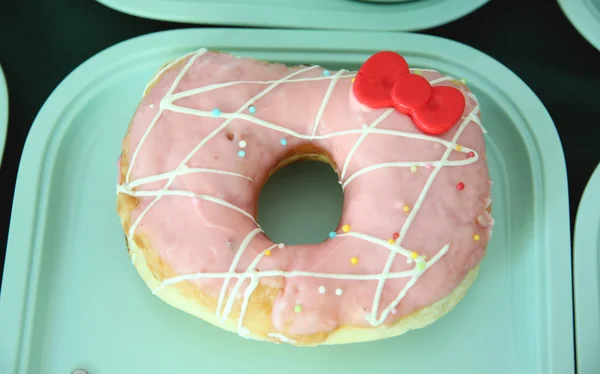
(581, 15)
(437, 13)
(586, 275)
(27, 212)
(3, 112)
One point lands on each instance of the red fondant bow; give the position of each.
(384, 80)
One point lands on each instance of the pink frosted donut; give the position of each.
(208, 132)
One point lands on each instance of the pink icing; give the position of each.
(194, 235)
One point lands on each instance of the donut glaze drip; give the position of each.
(197, 189)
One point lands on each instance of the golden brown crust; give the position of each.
(188, 297)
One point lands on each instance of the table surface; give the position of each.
(40, 45)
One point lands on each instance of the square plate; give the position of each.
(71, 298)
(586, 265)
(585, 16)
(394, 15)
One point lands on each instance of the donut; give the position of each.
(408, 147)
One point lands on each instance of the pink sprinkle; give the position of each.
(427, 166)
(471, 154)
(394, 311)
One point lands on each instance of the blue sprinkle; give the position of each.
(252, 109)
(283, 141)
(241, 153)
(326, 73)
(332, 234)
(216, 112)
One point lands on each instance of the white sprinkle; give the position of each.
(321, 289)
(242, 144)
(339, 291)
(151, 106)
(394, 311)
(364, 125)
(281, 245)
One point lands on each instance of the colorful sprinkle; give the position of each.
(252, 109)
(391, 241)
(283, 141)
(322, 289)
(346, 228)
(476, 237)
(413, 168)
(458, 147)
(421, 266)
(353, 79)
(460, 186)
(414, 255)
(354, 260)
(406, 208)
(471, 154)
(395, 235)
(242, 144)
(151, 106)
(394, 311)
(339, 291)
(298, 308)
(281, 245)
(267, 252)
(428, 166)
(326, 73)
(332, 234)
(216, 112)
(242, 153)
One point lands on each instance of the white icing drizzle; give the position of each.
(373, 319)
(182, 171)
(362, 137)
(226, 302)
(167, 67)
(325, 101)
(410, 164)
(234, 263)
(281, 337)
(217, 86)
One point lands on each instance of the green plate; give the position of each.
(71, 298)
(304, 14)
(586, 265)
(585, 16)
(3, 112)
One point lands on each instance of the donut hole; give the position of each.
(301, 202)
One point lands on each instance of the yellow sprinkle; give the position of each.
(354, 260)
(267, 253)
(476, 237)
(463, 81)
(414, 255)
(353, 79)
(406, 208)
(346, 228)
(391, 241)
(458, 147)
(413, 168)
